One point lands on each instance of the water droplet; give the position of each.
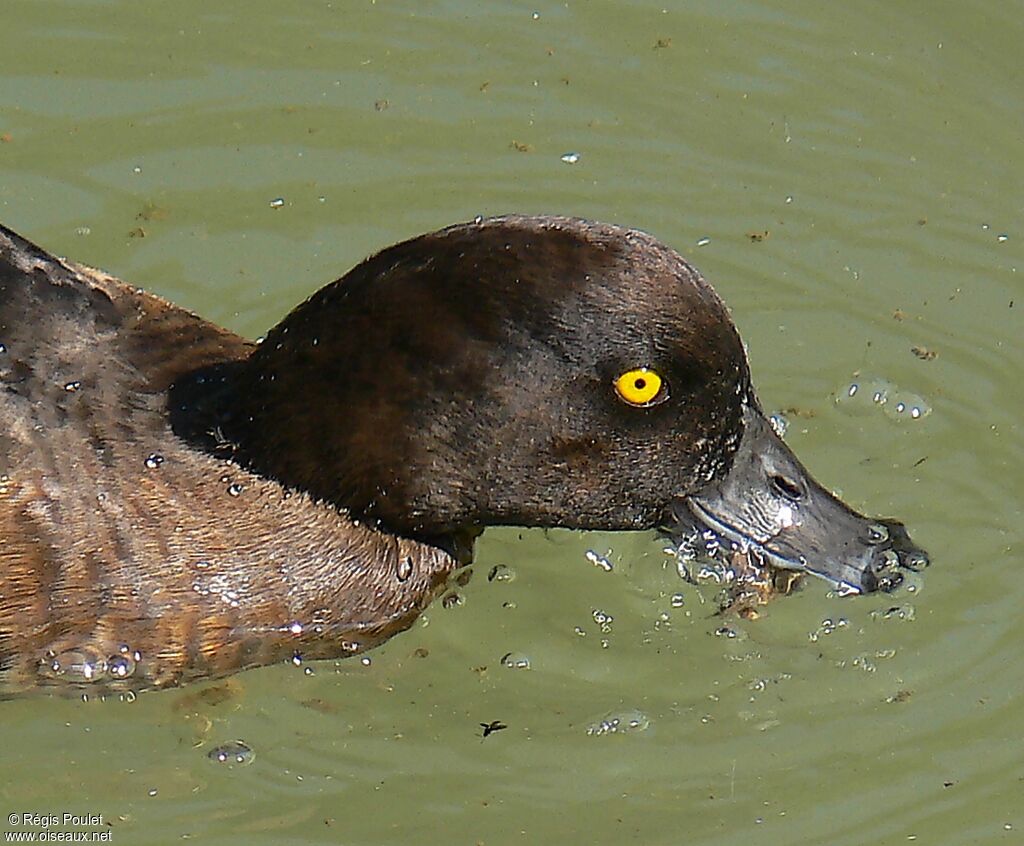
(73, 665)
(235, 489)
(515, 661)
(877, 533)
(154, 460)
(120, 666)
(235, 752)
(404, 569)
(501, 573)
(71, 387)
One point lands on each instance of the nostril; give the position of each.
(786, 487)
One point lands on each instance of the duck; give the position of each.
(180, 503)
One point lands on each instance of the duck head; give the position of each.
(539, 371)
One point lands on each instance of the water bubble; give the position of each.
(501, 573)
(677, 600)
(619, 722)
(154, 460)
(71, 387)
(297, 659)
(452, 599)
(905, 406)
(73, 665)
(894, 612)
(235, 489)
(863, 396)
(603, 620)
(703, 242)
(571, 158)
(877, 533)
(121, 666)
(295, 628)
(515, 661)
(277, 202)
(235, 752)
(3, 348)
(404, 569)
(600, 560)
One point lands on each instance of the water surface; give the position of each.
(878, 146)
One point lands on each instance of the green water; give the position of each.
(879, 144)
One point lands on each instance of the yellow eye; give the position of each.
(641, 387)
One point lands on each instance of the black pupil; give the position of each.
(640, 384)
